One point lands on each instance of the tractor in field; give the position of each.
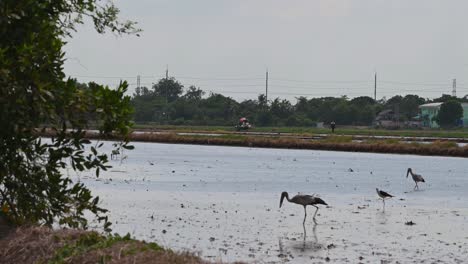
(243, 124)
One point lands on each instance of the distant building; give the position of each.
(430, 111)
(391, 120)
(387, 119)
(465, 115)
(428, 114)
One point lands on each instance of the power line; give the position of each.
(217, 79)
(413, 83)
(313, 87)
(111, 77)
(259, 78)
(329, 81)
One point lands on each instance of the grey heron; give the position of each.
(416, 178)
(304, 200)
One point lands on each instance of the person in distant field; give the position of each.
(333, 125)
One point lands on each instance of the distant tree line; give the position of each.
(167, 102)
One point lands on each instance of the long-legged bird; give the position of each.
(383, 195)
(304, 200)
(416, 178)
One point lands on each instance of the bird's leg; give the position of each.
(315, 210)
(305, 215)
(305, 234)
(314, 230)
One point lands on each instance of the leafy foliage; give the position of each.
(34, 95)
(191, 108)
(88, 242)
(450, 112)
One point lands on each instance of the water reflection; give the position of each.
(314, 232)
(290, 246)
(382, 217)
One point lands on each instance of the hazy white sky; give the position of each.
(311, 48)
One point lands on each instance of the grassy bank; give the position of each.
(335, 143)
(438, 148)
(44, 245)
(455, 133)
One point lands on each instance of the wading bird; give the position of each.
(416, 178)
(383, 195)
(304, 200)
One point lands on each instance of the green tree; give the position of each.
(194, 94)
(450, 112)
(362, 101)
(409, 107)
(170, 89)
(35, 96)
(301, 105)
(444, 98)
(281, 110)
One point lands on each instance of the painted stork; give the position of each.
(416, 178)
(304, 200)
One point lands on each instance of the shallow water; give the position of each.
(223, 203)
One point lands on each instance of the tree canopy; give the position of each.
(36, 96)
(450, 112)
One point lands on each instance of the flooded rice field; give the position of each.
(223, 203)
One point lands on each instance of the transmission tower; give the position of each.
(454, 87)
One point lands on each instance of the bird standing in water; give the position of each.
(383, 195)
(416, 178)
(304, 200)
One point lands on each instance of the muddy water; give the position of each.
(223, 202)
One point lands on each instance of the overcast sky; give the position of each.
(311, 48)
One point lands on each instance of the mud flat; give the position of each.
(223, 203)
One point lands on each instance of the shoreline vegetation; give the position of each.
(311, 131)
(45, 245)
(348, 143)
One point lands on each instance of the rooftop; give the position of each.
(431, 105)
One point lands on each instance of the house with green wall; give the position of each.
(428, 114)
(465, 114)
(430, 111)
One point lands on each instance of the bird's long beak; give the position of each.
(282, 199)
(407, 173)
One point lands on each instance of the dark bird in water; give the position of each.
(304, 200)
(416, 178)
(383, 195)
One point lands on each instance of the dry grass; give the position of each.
(336, 143)
(43, 245)
(385, 146)
(337, 139)
(444, 144)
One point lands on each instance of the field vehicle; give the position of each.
(243, 124)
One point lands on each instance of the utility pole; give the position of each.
(375, 86)
(138, 81)
(167, 78)
(167, 72)
(454, 87)
(266, 87)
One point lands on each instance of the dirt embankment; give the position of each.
(436, 148)
(44, 245)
